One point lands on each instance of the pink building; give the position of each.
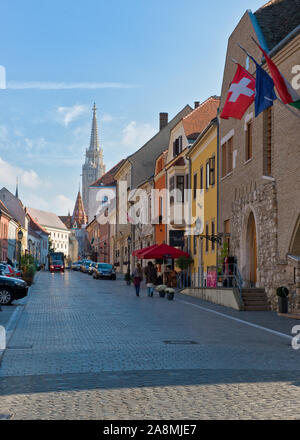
(4, 221)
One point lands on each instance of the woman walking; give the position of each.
(137, 279)
(151, 277)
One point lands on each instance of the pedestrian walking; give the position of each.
(137, 279)
(151, 277)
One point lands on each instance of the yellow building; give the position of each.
(203, 179)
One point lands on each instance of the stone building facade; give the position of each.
(259, 161)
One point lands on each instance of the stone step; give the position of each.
(255, 308)
(256, 303)
(262, 296)
(253, 290)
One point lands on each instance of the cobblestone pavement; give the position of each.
(90, 349)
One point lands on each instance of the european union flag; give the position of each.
(264, 90)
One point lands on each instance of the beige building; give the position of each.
(259, 185)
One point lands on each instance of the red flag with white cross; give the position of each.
(241, 94)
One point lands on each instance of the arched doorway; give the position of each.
(251, 251)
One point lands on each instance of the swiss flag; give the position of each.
(241, 94)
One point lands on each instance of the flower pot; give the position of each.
(162, 294)
(283, 304)
(170, 296)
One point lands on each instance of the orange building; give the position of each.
(160, 184)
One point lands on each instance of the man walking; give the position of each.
(151, 276)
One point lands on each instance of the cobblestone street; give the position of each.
(90, 349)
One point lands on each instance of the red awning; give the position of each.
(162, 251)
(138, 252)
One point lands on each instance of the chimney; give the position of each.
(163, 120)
(196, 104)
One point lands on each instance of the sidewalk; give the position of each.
(268, 319)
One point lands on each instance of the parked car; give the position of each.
(76, 265)
(104, 270)
(11, 289)
(91, 268)
(85, 266)
(7, 270)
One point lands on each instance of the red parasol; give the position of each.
(162, 251)
(138, 252)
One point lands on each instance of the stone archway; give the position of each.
(248, 250)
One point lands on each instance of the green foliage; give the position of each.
(184, 262)
(50, 246)
(282, 291)
(26, 261)
(159, 261)
(30, 270)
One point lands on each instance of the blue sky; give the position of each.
(134, 58)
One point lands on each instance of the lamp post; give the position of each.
(20, 237)
(129, 243)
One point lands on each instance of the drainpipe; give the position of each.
(218, 149)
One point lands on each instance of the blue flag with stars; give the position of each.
(264, 90)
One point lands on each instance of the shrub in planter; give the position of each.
(161, 289)
(283, 302)
(170, 293)
(28, 273)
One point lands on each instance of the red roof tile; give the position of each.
(198, 119)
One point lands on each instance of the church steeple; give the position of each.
(79, 216)
(17, 189)
(93, 167)
(94, 143)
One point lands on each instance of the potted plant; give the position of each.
(283, 302)
(170, 293)
(28, 273)
(161, 289)
(127, 278)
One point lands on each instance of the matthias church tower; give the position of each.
(93, 167)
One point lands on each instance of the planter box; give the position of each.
(162, 294)
(170, 296)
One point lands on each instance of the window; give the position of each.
(212, 233)
(227, 157)
(180, 187)
(249, 141)
(177, 146)
(195, 244)
(229, 153)
(267, 142)
(224, 160)
(201, 178)
(212, 172)
(207, 175)
(195, 186)
(227, 232)
(206, 240)
(171, 188)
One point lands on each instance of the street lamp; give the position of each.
(129, 243)
(20, 237)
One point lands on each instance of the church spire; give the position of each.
(79, 216)
(17, 190)
(94, 143)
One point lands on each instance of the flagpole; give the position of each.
(286, 106)
(278, 99)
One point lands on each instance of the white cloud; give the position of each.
(136, 135)
(62, 204)
(69, 114)
(106, 117)
(48, 85)
(9, 173)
